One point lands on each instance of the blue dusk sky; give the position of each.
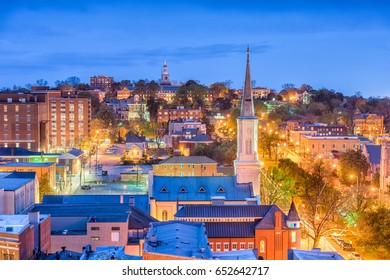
(340, 45)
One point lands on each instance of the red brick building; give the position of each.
(244, 227)
(24, 122)
(70, 119)
(101, 82)
(166, 115)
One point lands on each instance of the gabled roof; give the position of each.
(211, 184)
(188, 160)
(374, 153)
(200, 138)
(139, 219)
(293, 213)
(75, 152)
(132, 138)
(268, 222)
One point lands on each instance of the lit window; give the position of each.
(262, 246)
(115, 236)
(95, 238)
(226, 246)
(293, 236)
(165, 215)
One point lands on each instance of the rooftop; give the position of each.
(15, 224)
(188, 160)
(236, 255)
(139, 201)
(108, 253)
(135, 139)
(223, 211)
(172, 188)
(374, 153)
(27, 164)
(199, 138)
(179, 238)
(330, 137)
(314, 254)
(99, 212)
(12, 184)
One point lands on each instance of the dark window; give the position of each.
(95, 228)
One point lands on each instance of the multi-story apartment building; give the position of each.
(318, 129)
(368, 125)
(167, 92)
(166, 115)
(316, 145)
(101, 82)
(70, 120)
(23, 121)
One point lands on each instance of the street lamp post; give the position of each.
(357, 183)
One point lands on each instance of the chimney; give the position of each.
(278, 220)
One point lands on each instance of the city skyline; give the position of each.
(343, 46)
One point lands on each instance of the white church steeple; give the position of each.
(164, 74)
(247, 164)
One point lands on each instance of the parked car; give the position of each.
(347, 247)
(86, 187)
(356, 256)
(340, 241)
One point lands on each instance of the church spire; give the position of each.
(247, 109)
(165, 74)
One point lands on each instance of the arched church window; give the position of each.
(262, 246)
